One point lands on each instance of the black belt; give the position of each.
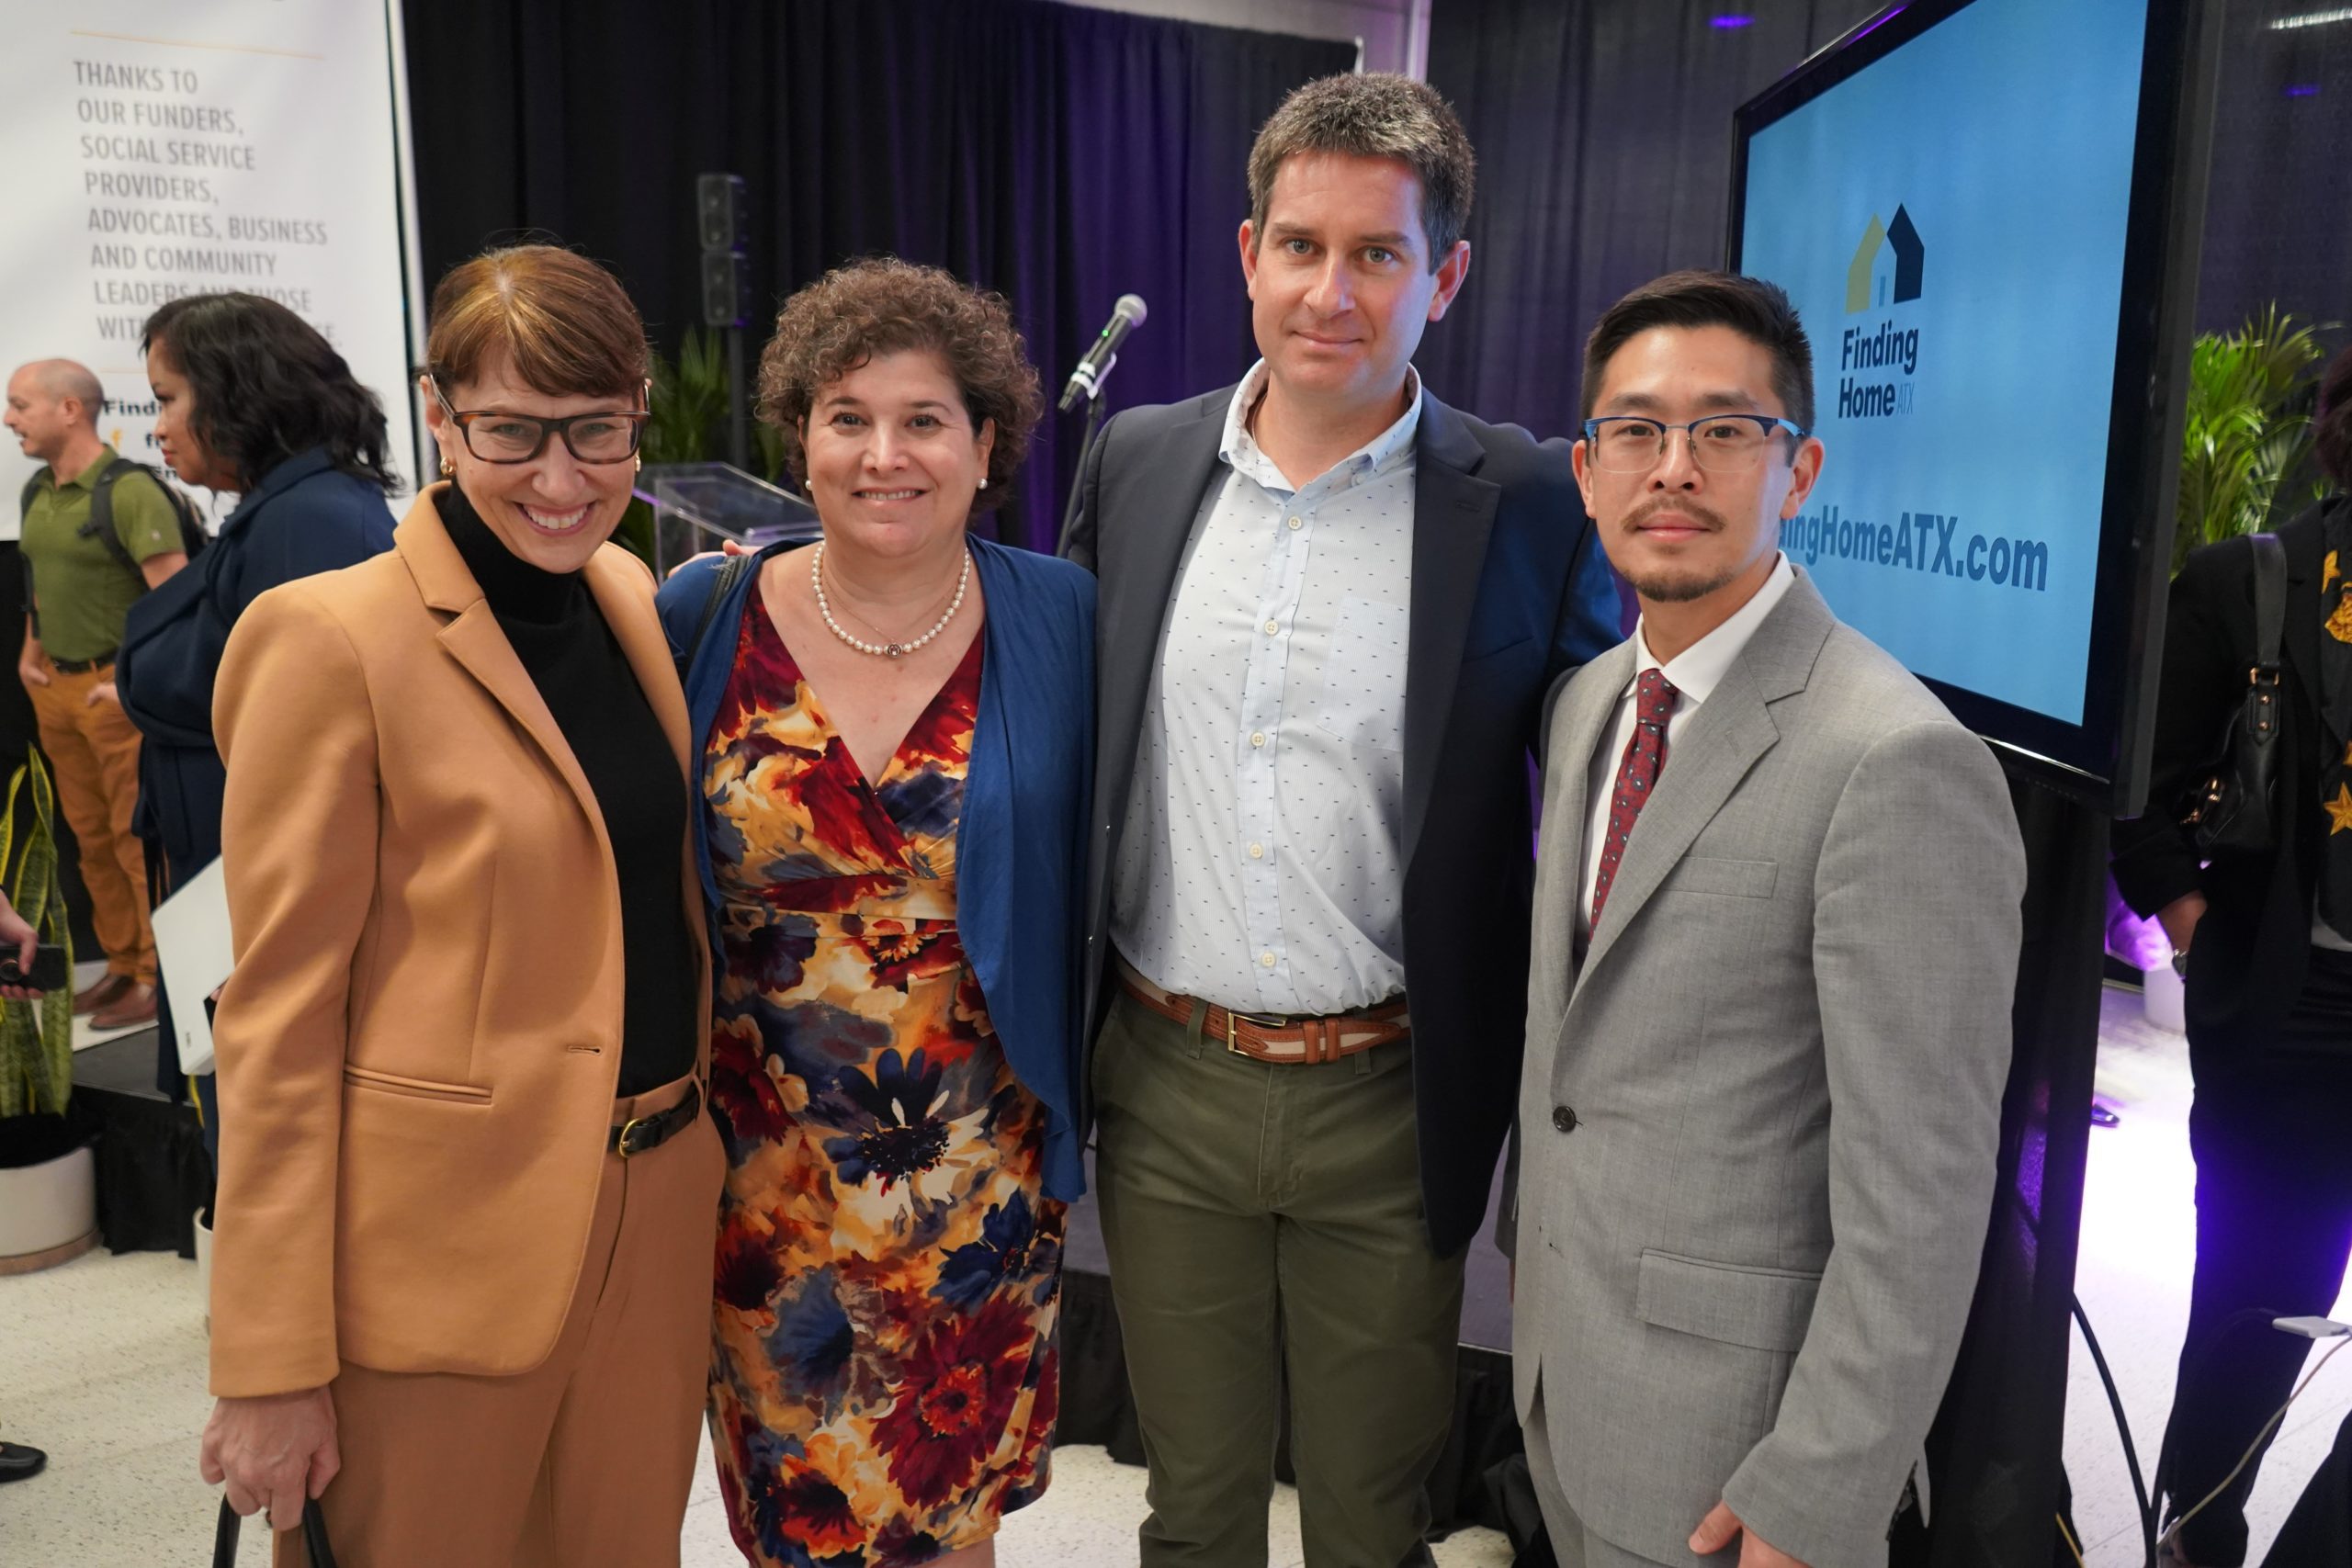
(82, 666)
(639, 1134)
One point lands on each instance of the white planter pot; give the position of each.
(2161, 1000)
(49, 1213)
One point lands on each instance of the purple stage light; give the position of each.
(1893, 13)
(2301, 90)
(1729, 22)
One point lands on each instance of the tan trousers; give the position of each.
(585, 1462)
(93, 747)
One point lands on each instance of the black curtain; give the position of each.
(2278, 214)
(1060, 155)
(1603, 131)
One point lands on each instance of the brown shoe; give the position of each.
(136, 1005)
(110, 987)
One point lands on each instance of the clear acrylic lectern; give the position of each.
(698, 505)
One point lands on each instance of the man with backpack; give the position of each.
(99, 531)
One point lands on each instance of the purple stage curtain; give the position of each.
(1060, 155)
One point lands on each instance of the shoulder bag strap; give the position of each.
(2269, 598)
(723, 582)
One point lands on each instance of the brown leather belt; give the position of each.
(1263, 1039)
(644, 1134)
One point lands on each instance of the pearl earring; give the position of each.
(984, 482)
(808, 485)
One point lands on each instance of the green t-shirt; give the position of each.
(82, 590)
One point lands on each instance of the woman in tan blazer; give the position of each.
(467, 1196)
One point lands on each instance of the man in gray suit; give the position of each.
(1776, 932)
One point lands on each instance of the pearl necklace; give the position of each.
(890, 650)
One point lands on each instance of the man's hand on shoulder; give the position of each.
(1721, 1527)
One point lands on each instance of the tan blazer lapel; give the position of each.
(624, 591)
(474, 640)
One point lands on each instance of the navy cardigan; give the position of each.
(302, 517)
(1021, 848)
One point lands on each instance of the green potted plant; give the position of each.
(2248, 435)
(689, 418)
(47, 1176)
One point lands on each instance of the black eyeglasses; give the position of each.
(496, 436)
(1724, 443)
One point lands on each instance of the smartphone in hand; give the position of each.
(48, 971)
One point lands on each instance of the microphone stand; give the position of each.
(1078, 474)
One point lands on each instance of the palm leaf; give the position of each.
(2248, 427)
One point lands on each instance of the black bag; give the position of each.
(100, 524)
(723, 582)
(2233, 807)
(315, 1536)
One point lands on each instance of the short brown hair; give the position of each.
(882, 305)
(2332, 424)
(563, 321)
(1375, 115)
(1757, 311)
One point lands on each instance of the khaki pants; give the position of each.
(1264, 1225)
(94, 749)
(586, 1460)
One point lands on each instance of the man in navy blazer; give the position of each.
(1330, 606)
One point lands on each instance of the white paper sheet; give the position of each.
(192, 949)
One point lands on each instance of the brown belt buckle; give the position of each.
(1233, 1022)
(625, 1142)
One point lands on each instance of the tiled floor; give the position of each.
(101, 1363)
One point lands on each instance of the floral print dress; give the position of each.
(884, 1377)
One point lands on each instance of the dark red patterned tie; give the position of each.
(1636, 776)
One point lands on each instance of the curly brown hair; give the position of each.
(882, 305)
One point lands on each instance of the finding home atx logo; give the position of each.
(1888, 270)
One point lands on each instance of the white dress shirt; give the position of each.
(1261, 862)
(1694, 674)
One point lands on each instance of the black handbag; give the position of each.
(2233, 807)
(315, 1536)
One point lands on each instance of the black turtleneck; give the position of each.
(556, 631)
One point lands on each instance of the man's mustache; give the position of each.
(1652, 507)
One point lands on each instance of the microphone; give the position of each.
(1086, 381)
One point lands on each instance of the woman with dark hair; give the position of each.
(894, 727)
(2265, 940)
(251, 400)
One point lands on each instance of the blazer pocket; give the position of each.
(1710, 874)
(416, 1089)
(1764, 1309)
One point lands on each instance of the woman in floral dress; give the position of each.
(895, 727)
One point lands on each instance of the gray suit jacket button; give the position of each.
(1563, 1117)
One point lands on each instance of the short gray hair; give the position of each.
(1375, 115)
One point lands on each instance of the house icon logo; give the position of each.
(1887, 265)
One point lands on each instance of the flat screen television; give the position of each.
(1987, 213)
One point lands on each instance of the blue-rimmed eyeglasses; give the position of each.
(496, 436)
(1721, 443)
